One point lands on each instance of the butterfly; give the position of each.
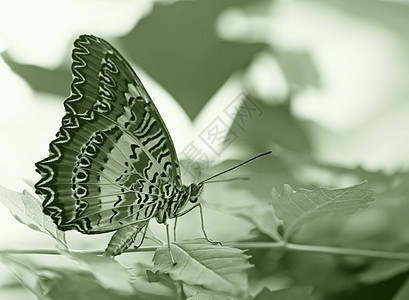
(112, 165)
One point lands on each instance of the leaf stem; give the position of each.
(290, 247)
(57, 252)
(281, 246)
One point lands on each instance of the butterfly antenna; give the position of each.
(228, 179)
(235, 167)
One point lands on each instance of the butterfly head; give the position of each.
(194, 192)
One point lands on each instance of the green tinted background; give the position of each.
(327, 79)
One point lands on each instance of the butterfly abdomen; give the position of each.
(123, 239)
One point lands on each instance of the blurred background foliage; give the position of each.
(328, 84)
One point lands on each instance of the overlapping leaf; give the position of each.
(382, 270)
(213, 267)
(403, 292)
(199, 293)
(293, 293)
(298, 207)
(27, 209)
(261, 216)
(175, 288)
(68, 284)
(25, 274)
(108, 271)
(155, 290)
(62, 283)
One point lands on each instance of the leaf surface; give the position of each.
(261, 216)
(107, 270)
(28, 210)
(175, 287)
(25, 274)
(155, 290)
(382, 270)
(66, 284)
(199, 293)
(292, 293)
(296, 208)
(213, 267)
(403, 292)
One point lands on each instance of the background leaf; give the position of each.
(296, 208)
(382, 270)
(155, 290)
(66, 284)
(45, 80)
(162, 43)
(25, 274)
(175, 286)
(199, 293)
(107, 270)
(392, 14)
(27, 209)
(49, 282)
(292, 293)
(247, 127)
(298, 69)
(261, 216)
(403, 292)
(217, 268)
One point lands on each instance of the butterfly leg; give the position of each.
(143, 236)
(167, 236)
(201, 221)
(203, 228)
(174, 229)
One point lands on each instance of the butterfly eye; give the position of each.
(195, 190)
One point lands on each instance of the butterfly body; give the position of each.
(113, 162)
(174, 206)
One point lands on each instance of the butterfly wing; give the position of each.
(113, 159)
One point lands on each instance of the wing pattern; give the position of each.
(113, 161)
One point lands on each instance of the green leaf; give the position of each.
(296, 208)
(261, 216)
(256, 135)
(66, 284)
(293, 293)
(27, 209)
(148, 286)
(298, 69)
(154, 290)
(198, 293)
(48, 81)
(382, 270)
(207, 60)
(392, 15)
(155, 286)
(25, 274)
(403, 292)
(108, 271)
(216, 268)
(61, 283)
(175, 286)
